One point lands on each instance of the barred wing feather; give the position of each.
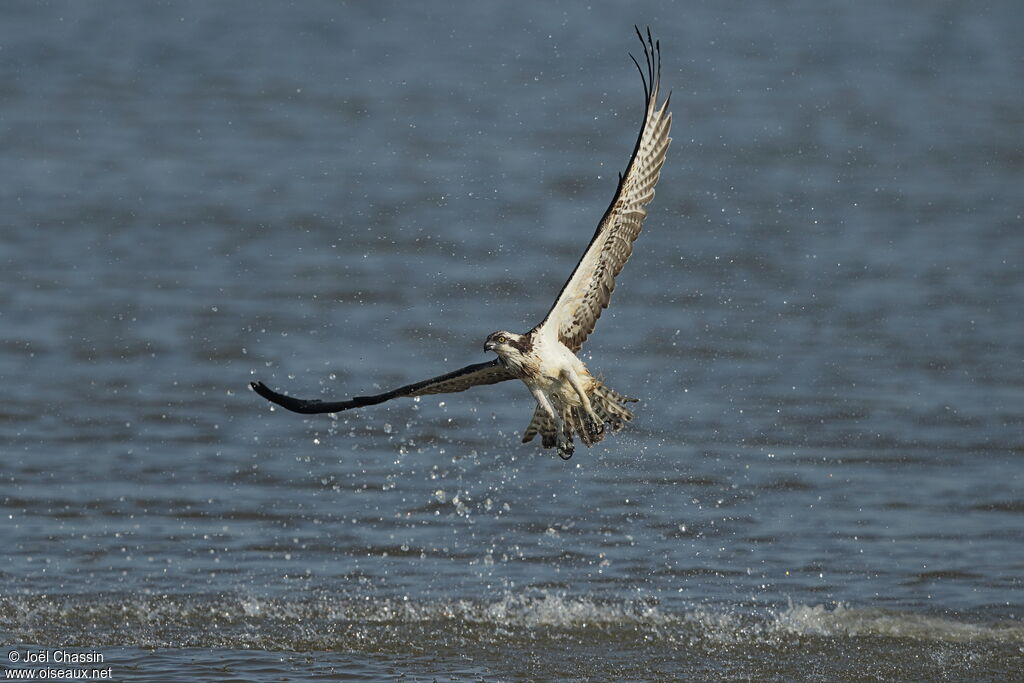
(589, 289)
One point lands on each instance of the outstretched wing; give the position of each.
(589, 289)
(459, 380)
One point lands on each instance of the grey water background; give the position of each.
(823, 319)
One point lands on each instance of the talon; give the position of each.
(565, 450)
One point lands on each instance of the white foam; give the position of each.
(316, 620)
(818, 620)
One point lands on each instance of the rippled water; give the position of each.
(822, 319)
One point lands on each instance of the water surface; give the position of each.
(822, 319)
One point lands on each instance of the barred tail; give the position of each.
(608, 404)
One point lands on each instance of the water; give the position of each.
(822, 317)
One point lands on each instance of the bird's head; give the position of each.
(506, 344)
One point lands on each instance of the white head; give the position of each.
(509, 346)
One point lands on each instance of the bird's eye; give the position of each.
(502, 339)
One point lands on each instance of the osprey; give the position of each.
(570, 401)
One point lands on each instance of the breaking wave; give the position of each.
(328, 622)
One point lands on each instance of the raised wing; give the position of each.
(468, 377)
(589, 288)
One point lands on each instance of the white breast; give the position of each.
(556, 361)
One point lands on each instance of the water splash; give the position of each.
(329, 621)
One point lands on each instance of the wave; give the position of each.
(364, 623)
(841, 620)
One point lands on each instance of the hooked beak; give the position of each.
(489, 346)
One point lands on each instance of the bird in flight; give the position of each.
(570, 401)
